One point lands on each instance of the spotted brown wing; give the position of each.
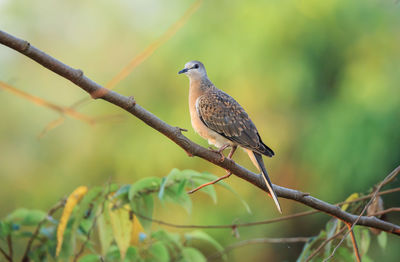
(222, 114)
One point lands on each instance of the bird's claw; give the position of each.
(219, 151)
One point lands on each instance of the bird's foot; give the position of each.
(210, 183)
(220, 152)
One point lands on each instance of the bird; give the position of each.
(220, 119)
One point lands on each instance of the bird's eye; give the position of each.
(196, 66)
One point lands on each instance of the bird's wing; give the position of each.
(222, 114)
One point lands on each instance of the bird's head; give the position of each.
(194, 70)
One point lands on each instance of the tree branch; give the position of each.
(174, 133)
(254, 241)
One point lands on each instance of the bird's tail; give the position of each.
(260, 164)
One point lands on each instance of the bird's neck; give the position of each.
(198, 87)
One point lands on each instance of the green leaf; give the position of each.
(201, 236)
(26, 217)
(90, 258)
(113, 187)
(182, 199)
(363, 237)
(191, 254)
(344, 254)
(308, 247)
(5, 229)
(171, 241)
(105, 231)
(144, 185)
(382, 240)
(159, 253)
(113, 254)
(122, 192)
(331, 229)
(162, 187)
(89, 203)
(143, 205)
(171, 180)
(132, 254)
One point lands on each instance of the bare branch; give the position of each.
(260, 241)
(389, 210)
(262, 222)
(5, 254)
(77, 77)
(137, 60)
(41, 102)
(323, 244)
(353, 240)
(387, 179)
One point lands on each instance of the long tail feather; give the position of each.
(260, 163)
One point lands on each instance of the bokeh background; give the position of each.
(319, 78)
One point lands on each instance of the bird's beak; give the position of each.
(183, 71)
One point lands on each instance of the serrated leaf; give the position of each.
(382, 240)
(159, 253)
(191, 254)
(121, 225)
(90, 258)
(105, 231)
(26, 217)
(144, 206)
(143, 185)
(204, 237)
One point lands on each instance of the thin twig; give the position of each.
(41, 102)
(10, 246)
(259, 241)
(3, 252)
(60, 204)
(263, 222)
(392, 209)
(210, 183)
(138, 59)
(388, 178)
(354, 242)
(323, 244)
(175, 134)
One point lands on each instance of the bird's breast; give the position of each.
(213, 137)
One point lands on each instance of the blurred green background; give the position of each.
(319, 78)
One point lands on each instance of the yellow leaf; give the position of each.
(72, 201)
(121, 223)
(350, 198)
(136, 230)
